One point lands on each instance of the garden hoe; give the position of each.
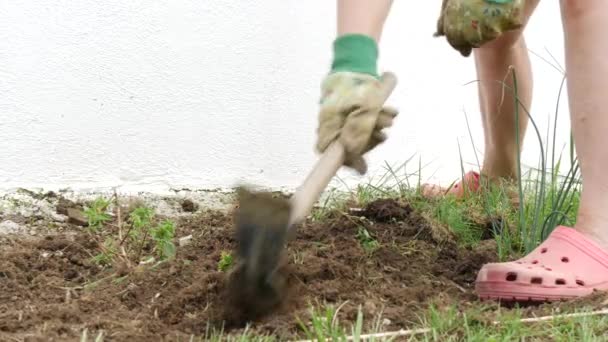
(265, 222)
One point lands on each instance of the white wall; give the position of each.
(207, 94)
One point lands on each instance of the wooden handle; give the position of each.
(326, 167)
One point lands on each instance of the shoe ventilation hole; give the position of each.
(535, 262)
(565, 259)
(560, 282)
(537, 280)
(544, 250)
(548, 269)
(580, 282)
(511, 276)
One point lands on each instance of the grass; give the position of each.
(482, 324)
(451, 323)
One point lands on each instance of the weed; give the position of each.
(225, 262)
(547, 206)
(142, 232)
(96, 214)
(141, 219)
(163, 236)
(366, 240)
(107, 254)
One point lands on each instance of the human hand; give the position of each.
(352, 110)
(469, 24)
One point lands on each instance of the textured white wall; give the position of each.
(206, 94)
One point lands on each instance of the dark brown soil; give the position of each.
(50, 290)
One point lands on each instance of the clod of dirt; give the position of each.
(414, 224)
(386, 210)
(189, 206)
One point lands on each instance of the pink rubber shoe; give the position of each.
(566, 265)
(469, 182)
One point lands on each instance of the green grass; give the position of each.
(482, 323)
(477, 323)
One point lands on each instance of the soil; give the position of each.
(50, 290)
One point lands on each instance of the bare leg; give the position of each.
(585, 26)
(363, 16)
(496, 101)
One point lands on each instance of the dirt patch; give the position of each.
(386, 259)
(189, 206)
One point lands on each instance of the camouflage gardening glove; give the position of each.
(468, 24)
(352, 107)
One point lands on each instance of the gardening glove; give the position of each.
(352, 106)
(469, 24)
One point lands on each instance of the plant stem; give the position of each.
(141, 246)
(120, 236)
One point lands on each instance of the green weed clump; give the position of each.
(140, 238)
(97, 214)
(226, 261)
(367, 241)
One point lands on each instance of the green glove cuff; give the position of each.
(355, 53)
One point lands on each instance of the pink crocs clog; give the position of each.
(566, 265)
(469, 182)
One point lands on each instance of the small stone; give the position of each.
(369, 306)
(63, 205)
(386, 321)
(77, 217)
(185, 241)
(10, 227)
